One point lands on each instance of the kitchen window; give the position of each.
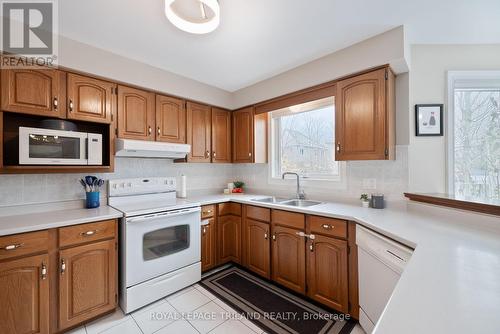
(302, 141)
(474, 134)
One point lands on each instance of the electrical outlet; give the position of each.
(370, 184)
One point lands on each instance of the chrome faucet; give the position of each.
(300, 193)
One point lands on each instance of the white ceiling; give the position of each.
(258, 39)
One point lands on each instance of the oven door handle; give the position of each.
(168, 214)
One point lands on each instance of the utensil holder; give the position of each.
(92, 199)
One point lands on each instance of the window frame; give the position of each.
(462, 79)
(337, 181)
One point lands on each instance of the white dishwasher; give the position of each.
(380, 264)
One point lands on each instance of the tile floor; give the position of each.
(185, 312)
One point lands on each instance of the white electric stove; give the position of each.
(160, 247)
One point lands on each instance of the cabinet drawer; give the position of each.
(79, 234)
(328, 226)
(289, 219)
(258, 213)
(207, 211)
(229, 209)
(23, 244)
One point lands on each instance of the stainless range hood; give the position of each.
(150, 149)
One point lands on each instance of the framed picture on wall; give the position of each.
(428, 119)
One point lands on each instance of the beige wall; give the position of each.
(83, 57)
(428, 81)
(385, 48)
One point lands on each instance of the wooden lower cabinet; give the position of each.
(228, 239)
(327, 280)
(257, 247)
(288, 258)
(208, 245)
(87, 282)
(56, 279)
(24, 294)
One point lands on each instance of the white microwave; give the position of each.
(38, 146)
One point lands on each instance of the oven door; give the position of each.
(39, 146)
(160, 243)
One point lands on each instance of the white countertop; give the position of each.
(452, 281)
(450, 285)
(19, 221)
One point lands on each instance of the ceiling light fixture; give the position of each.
(207, 22)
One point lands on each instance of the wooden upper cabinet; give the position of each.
(364, 109)
(249, 136)
(24, 295)
(257, 247)
(170, 119)
(208, 245)
(288, 258)
(36, 92)
(199, 132)
(243, 135)
(221, 135)
(87, 282)
(327, 272)
(136, 113)
(90, 99)
(229, 239)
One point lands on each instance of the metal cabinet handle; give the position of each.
(214, 155)
(55, 103)
(207, 154)
(311, 247)
(11, 247)
(338, 147)
(159, 131)
(274, 237)
(88, 233)
(327, 226)
(204, 230)
(150, 130)
(70, 105)
(63, 266)
(266, 236)
(44, 271)
(249, 154)
(302, 234)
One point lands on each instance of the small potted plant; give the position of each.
(365, 202)
(238, 187)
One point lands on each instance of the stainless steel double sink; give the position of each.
(287, 201)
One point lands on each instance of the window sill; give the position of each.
(451, 201)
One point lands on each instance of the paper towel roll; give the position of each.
(182, 187)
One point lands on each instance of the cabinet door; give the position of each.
(90, 99)
(136, 115)
(243, 135)
(87, 282)
(360, 124)
(327, 279)
(170, 119)
(221, 135)
(208, 245)
(229, 239)
(257, 248)
(199, 132)
(36, 92)
(288, 259)
(24, 294)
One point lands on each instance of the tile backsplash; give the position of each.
(391, 178)
(44, 188)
